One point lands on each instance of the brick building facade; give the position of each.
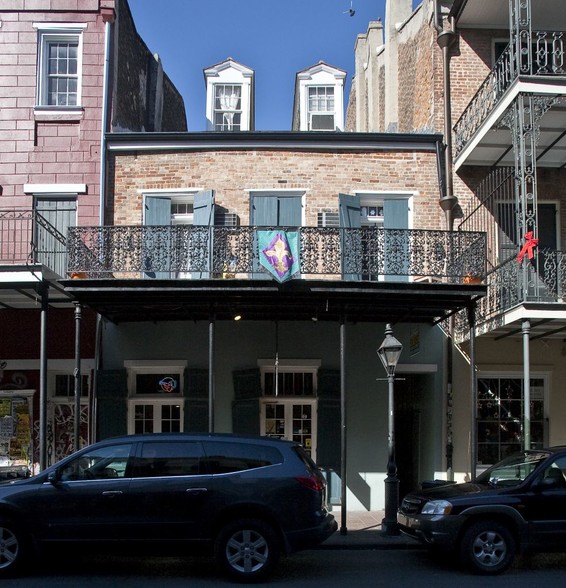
(70, 71)
(502, 130)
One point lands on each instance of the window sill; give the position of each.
(58, 113)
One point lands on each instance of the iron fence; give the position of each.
(546, 58)
(541, 279)
(26, 237)
(200, 252)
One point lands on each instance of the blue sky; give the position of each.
(276, 38)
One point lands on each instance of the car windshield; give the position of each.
(512, 470)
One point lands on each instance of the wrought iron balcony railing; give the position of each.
(545, 59)
(542, 279)
(200, 252)
(27, 237)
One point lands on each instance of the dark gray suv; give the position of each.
(245, 499)
(515, 505)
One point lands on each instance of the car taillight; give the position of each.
(313, 482)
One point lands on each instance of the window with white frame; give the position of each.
(59, 65)
(321, 108)
(289, 377)
(155, 403)
(289, 406)
(227, 107)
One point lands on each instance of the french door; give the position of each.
(291, 419)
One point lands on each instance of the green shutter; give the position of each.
(349, 208)
(245, 408)
(245, 416)
(203, 216)
(396, 250)
(196, 401)
(158, 213)
(328, 420)
(247, 383)
(112, 393)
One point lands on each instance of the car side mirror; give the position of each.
(548, 483)
(54, 477)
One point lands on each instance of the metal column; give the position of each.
(526, 328)
(473, 391)
(343, 429)
(43, 379)
(77, 375)
(211, 375)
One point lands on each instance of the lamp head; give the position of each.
(390, 351)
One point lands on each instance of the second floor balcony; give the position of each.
(211, 253)
(540, 70)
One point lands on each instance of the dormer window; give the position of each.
(227, 107)
(229, 97)
(319, 99)
(321, 108)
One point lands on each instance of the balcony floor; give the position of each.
(159, 300)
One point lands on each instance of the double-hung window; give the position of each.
(227, 107)
(59, 65)
(321, 108)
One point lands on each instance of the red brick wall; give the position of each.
(233, 173)
(48, 148)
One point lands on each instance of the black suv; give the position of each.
(517, 504)
(245, 499)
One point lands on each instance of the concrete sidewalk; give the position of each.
(363, 531)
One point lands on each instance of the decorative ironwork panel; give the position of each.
(199, 252)
(532, 53)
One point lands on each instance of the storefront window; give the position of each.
(500, 416)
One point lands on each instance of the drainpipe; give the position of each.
(108, 16)
(448, 202)
(445, 40)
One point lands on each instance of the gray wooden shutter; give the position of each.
(328, 420)
(349, 208)
(245, 407)
(112, 393)
(50, 236)
(264, 211)
(196, 401)
(203, 216)
(157, 213)
(396, 250)
(289, 212)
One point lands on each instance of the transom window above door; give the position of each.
(289, 377)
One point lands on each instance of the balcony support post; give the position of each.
(77, 376)
(526, 329)
(473, 391)
(43, 378)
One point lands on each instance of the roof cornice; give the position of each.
(285, 140)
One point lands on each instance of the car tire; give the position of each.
(248, 550)
(12, 548)
(488, 547)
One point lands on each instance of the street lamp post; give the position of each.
(389, 353)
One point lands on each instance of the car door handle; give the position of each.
(112, 493)
(196, 490)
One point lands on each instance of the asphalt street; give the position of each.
(321, 567)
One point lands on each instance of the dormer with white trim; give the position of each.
(319, 99)
(229, 97)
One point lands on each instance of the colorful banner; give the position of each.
(279, 253)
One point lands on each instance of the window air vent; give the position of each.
(322, 122)
(328, 219)
(226, 219)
